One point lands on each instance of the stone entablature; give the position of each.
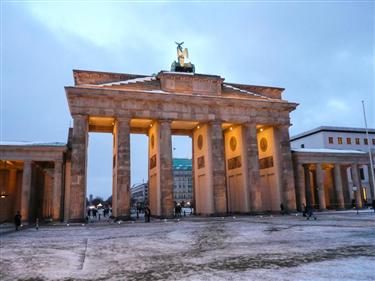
(329, 156)
(141, 104)
(32, 153)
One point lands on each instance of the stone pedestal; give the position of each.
(121, 181)
(218, 168)
(252, 161)
(320, 187)
(338, 186)
(26, 190)
(166, 172)
(286, 171)
(78, 168)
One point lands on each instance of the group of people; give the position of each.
(98, 213)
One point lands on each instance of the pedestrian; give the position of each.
(282, 209)
(310, 213)
(37, 223)
(17, 220)
(147, 214)
(304, 210)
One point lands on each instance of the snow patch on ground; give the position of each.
(338, 246)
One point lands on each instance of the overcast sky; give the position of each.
(321, 52)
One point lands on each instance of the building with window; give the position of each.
(139, 193)
(329, 162)
(182, 180)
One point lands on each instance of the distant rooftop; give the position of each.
(326, 150)
(331, 129)
(31, 143)
(182, 164)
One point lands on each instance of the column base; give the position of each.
(79, 220)
(123, 218)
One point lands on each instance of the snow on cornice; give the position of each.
(245, 91)
(130, 81)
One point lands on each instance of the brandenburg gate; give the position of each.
(241, 152)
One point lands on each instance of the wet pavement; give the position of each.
(337, 246)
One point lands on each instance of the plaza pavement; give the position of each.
(337, 246)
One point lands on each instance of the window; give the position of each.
(373, 141)
(365, 141)
(339, 140)
(348, 141)
(357, 141)
(302, 145)
(330, 140)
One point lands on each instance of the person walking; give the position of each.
(17, 220)
(304, 210)
(147, 214)
(37, 223)
(310, 213)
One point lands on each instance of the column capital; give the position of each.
(27, 162)
(164, 121)
(122, 118)
(80, 116)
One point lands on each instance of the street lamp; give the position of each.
(3, 195)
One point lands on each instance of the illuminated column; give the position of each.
(356, 183)
(252, 161)
(121, 181)
(320, 186)
(26, 190)
(56, 192)
(300, 186)
(166, 172)
(286, 168)
(78, 169)
(12, 182)
(218, 167)
(338, 186)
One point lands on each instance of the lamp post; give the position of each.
(370, 156)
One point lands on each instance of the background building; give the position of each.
(329, 160)
(139, 193)
(182, 180)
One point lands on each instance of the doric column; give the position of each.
(166, 172)
(371, 184)
(320, 186)
(218, 167)
(10, 202)
(26, 190)
(309, 196)
(338, 186)
(56, 192)
(121, 186)
(286, 171)
(46, 197)
(78, 168)
(252, 158)
(356, 182)
(300, 186)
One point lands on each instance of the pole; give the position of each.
(370, 156)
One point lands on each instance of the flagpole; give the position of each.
(370, 155)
